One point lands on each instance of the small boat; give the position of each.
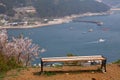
(43, 50)
(101, 40)
(99, 23)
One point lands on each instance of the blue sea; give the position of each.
(78, 38)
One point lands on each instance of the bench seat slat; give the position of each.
(74, 58)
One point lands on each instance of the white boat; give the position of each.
(99, 23)
(43, 50)
(101, 40)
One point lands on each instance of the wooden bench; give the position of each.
(76, 58)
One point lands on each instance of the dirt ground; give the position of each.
(66, 73)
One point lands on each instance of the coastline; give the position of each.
(63, 20)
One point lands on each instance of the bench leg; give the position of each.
(103, 66)
(41, 66)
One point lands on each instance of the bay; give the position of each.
(76, 37)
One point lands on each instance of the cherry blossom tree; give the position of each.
(21, 48)
(3, 38)
(25, 50)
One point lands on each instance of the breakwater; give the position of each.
(99, 23)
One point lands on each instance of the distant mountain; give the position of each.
(53, 8)
(112, 3)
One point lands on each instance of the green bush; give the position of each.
(117, 62)
(12, 63)
(70, 54)
(3, 65)
(7, 63)
(71, 63)
(48, 73)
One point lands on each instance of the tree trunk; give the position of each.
(18, 60)
(28, 60)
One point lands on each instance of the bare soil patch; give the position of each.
(66, 73)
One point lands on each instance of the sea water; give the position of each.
(75, 37)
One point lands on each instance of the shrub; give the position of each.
(70, 54)
(12, 63)
(3, 65)
(48, 73)
(117, 62)
(71, 63)
(7, 63)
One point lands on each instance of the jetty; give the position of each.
(99, 23)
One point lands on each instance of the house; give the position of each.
(28, 9)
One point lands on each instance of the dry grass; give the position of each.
(66, 73)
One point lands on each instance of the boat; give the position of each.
(99, 23)
(43, 50)
(101, 40)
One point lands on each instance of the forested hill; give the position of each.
(54, 8)
(6, 6)
(67, 7)
(112, 3)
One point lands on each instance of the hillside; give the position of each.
(53, 8)
(69, 73)
(58, 8)
(112, 3)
